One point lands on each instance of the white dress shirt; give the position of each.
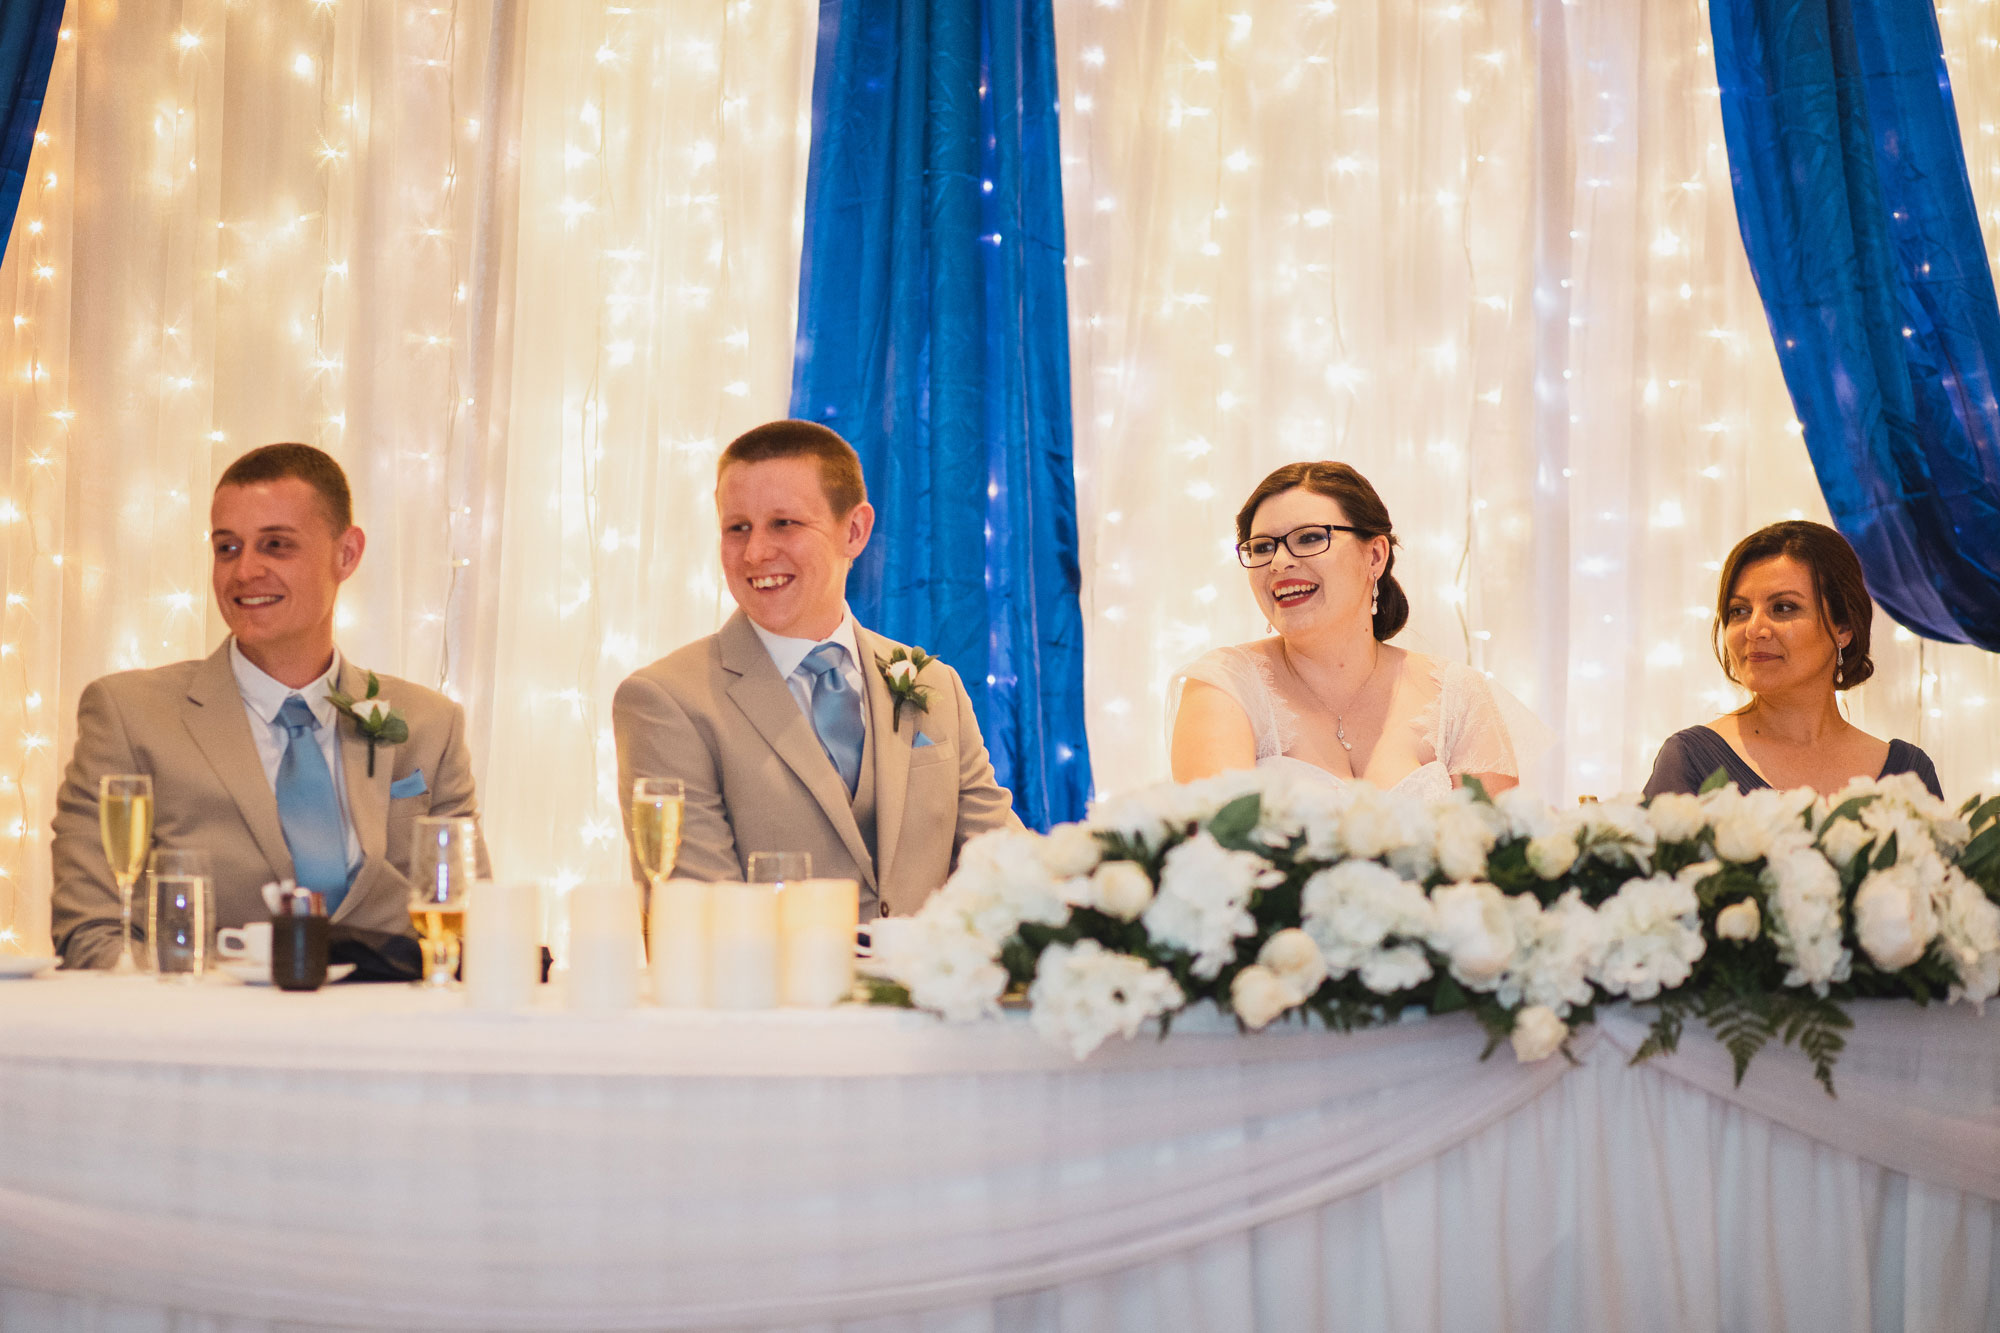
(263, 696)
(789, 655)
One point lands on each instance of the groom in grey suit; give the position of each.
(782, 723)
(250, 761)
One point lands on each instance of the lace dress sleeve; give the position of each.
(1243, 675)
(1468, 732)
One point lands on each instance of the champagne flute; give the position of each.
(443, 866)
(657, 806)
(125, 823)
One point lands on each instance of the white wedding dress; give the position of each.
(1460, 724)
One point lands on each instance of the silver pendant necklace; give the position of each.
(1339, 714)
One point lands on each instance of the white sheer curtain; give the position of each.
(1487, 252)
(521, 265)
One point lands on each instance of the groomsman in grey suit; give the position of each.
(782, 723)
(251, 762)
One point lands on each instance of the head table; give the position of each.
(233, 1158)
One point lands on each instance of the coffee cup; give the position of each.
(245, 944)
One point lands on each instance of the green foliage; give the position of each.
(892, 994)
(1715, 781)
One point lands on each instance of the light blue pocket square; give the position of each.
(410, 785)
(921, 741)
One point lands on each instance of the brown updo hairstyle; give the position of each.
(1365, 512)
(1837, 584)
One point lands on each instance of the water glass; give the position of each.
(180, 914)
(444, 863)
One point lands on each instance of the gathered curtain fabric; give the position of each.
(933, 335)
(1859, 219)
(28, 34)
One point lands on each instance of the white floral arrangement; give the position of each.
(1757, 913)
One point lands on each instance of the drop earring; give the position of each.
(1374, 598)
(1839, 663)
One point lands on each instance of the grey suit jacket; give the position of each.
(185, 726)
(717, 715)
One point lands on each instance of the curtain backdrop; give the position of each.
(525, 266)
(1487, 253)
(28, 34)
(1856, 213)
(934, 337)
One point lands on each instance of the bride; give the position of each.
(1326, 695)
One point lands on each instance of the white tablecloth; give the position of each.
(231, 1158)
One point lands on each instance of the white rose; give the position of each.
(1739, 921)
(1475, 930)
(1843, 839)
(1070, 850)
(1296, 958)
(1538, 1033)
(1969, 930)
(1259, 995)
(1893, 918)
(374, 710)
(1552, 854)
(903, 671)
(1466, 832)
(1677, 816)
(1121, 889)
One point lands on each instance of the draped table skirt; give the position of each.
(228, 1158)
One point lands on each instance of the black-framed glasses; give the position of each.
(1302, 542)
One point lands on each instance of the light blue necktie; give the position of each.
(308, 810)
(836, 710)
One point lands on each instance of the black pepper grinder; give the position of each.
(298, 940)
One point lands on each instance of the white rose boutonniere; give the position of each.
(899, 672)
(374, 718)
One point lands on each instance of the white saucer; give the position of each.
(12, 965)
(253, 973)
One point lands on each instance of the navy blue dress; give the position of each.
(1689, 756)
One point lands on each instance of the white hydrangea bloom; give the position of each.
(1083, 993)
(1969, 933)
(1353, 910)
(1528, 815)
(1617, 832)
(1475, 930)
(1000, 882)
(1653, 936)
(1393, 825)
(1559, 948)
(1202, 904)
(1758, 824)
(1802, 891)
(946, 969)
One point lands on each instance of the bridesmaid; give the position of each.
(1791, 626)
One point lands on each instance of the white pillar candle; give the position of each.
(604, 946)
(680, 943)
(503, 945)
(743, 946)
(817, 919)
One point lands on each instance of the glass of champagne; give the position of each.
(125, 823)
(657, 805)
(444, 862)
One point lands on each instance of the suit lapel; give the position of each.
(768, 704)
(367, 797)
(216, 720)
(892, 750)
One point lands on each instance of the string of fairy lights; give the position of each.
(526, 308)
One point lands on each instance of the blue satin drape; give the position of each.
(28, 32)
(933, 334)
(1854, 204)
